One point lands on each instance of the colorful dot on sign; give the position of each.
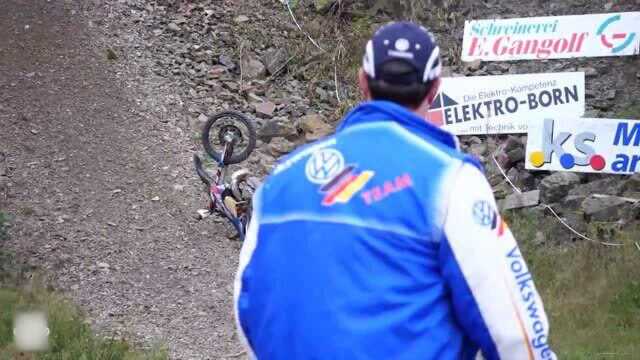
(537, 158)
(597, 162)
(567, 161)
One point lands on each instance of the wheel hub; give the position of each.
(230, 133)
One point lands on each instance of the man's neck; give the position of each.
(423, 113)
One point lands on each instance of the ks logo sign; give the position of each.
(554, 143)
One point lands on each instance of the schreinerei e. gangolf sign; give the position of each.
(552, 37)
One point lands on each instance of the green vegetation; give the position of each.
(591, 292)
(111, 55)
(4, 224)
(343, 33)
(70, 336)
(631, 112)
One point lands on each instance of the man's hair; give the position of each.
(399, 83)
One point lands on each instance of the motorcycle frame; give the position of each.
(216, 189)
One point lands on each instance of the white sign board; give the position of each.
(552, 37)
(584, 145)
(505, 103)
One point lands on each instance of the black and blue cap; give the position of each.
(409, 43)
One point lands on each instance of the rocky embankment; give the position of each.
(244, 58)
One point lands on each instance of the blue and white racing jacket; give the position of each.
(383, 241)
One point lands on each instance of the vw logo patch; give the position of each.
(324, 165)
(484, 214)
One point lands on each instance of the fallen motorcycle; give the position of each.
(228, 137)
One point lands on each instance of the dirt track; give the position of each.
(102, 192)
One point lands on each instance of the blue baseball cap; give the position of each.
(405, 41)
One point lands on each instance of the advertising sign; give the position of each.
(505, 103)
(584, 145)
(552, 37)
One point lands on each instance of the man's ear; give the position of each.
(423, 109)
(431, 94)
(363, 84)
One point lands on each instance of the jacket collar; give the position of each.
(373, 111)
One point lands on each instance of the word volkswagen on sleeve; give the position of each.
(584, 145)
(505, 103)
(552, 37)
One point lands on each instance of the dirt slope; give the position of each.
(102, 192)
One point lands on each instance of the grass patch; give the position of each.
(591, 292)
(629, 112)
(70, 336)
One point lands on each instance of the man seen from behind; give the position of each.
(383, 240)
